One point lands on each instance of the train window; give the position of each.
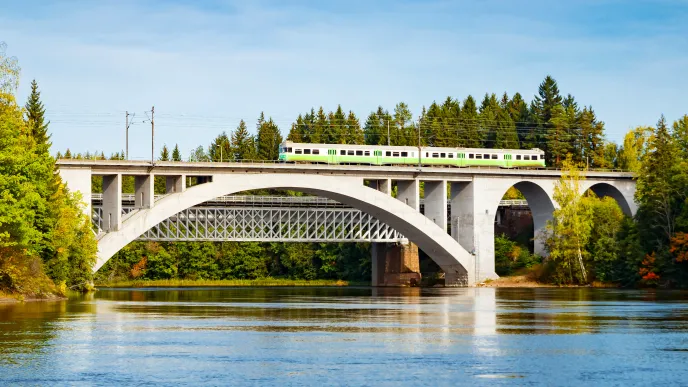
(486, 156)
(451, 155)
(316, 151)
(297, 151)
(350, 153)
(359, 153)
(443, 155)
(426, 154)
(518, 157)
(395, 154)
(342, 152)
(526, 157)
(494, 157)
(404, 154)
(533, 157)
(306, 151)
(435, 155)
(478, 156)
(542, 157)
(470, 155)
(388, 153)
(367, 153)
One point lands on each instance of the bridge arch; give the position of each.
(622, 193)
(445, 251)
(540, 197)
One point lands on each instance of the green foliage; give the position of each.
(511, 257)
(176, 155)
(243, 145)
(42, 229)
(268, 139)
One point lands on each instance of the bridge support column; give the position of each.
(144, 191)
(408, 191)
(472, 223)
(382, 185)
(436, 202)
(112, 202)
(175, 184)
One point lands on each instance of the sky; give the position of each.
(205, 65)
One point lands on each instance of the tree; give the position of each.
(35, 117)
(354, 133)
(375, 129)
(656, 193)
(506, 136)
(199, 155)
(401, 129)
(569, 231)
(469, 125)
(680, 134)
(633, 149)
(176, 155)
(242, 143)
(592, 143)
(221, 148)
(268, 139)
(164, 154)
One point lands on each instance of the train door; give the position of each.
(508, 160)
(332, 156)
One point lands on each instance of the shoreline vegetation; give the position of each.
(262, 282)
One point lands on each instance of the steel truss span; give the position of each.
(267, 225)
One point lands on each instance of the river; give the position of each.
(348, 336)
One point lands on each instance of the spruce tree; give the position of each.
(268, 140)
(319, 135)
(375, 129)
(35, 117)
(506, 136)
(592, 144)
(164, 154)
(336, 133)
(354, 133)
(296, 132)
(242, 142)
(519, 113)
(469, 122)
(176, 155)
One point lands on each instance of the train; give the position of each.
(408, 155)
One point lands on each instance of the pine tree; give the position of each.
(542, 108)
(558, 136)
(268, 141)
(242, 142)
(336, 130)
(320, 124)
(176, 155)
(489, 110)
(164, 154)
(68, 154)
(35, 117)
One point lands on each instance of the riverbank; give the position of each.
(265, 282)
(6, 298)
(527, 281)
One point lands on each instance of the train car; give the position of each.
(408, 155)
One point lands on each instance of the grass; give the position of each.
(180, 283)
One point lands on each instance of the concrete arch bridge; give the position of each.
(466, 253)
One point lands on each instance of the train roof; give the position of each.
(407, 148)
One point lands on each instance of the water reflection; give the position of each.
(314, 334)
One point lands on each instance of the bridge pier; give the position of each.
(112, 202)
(144, 191)
(395, 264)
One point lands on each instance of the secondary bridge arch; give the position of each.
(445, 251)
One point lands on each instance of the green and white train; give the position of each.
(408, 155)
